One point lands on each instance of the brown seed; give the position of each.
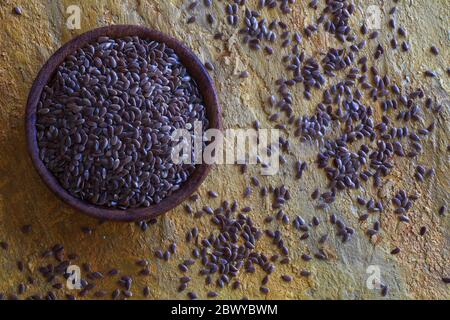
(286, 278)
(422, 231)
(193, 5)
(21, 288)
(192, 295)
(434, 50)
(305, 273)
(430, 73)
(392, 24)
(210, 18)
(26, 228)
(394, 43)
(113, 272)
(18, 10)
(247, 192)
(373, 35)
(363, 29)
(127, 293)
(236, 284)
(405, 46)
(213, 194)
(115, 294)
(401, 31)
(264, 290)
(315, 194)
(268, 50)
(244, 74)
(194, 197)
(209, 66)
(218, 36)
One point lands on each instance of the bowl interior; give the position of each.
(196, 70)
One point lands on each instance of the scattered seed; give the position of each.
(209, 66)
(18, 10)
(422, 231)
(264, 290)
(434, 50)
(192, 295)
(286, 278)
(244, 74)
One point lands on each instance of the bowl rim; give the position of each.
(196, 70)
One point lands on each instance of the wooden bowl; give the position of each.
(197, 71)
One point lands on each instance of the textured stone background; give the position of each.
(26, 42)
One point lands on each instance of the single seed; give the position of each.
(305, 273)
(18, 10)
(422, 231)
(192, 296)
(26, 228)
(213, 194)
(430, 73)
(401, 31)
(193, 5)
(244, 74)
(209, 66)
(264, 290)
(434, 50)
(405, 46)
(286, 278)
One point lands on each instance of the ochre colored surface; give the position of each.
(26, 42)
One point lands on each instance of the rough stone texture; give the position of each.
(28, 40)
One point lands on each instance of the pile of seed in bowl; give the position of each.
(104, 122)
(365, 125)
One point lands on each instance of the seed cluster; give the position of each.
(225, 252)
(104, 122)
(364, 149)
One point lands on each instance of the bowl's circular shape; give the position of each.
(196, 70)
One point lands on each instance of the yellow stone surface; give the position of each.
(27, 41)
